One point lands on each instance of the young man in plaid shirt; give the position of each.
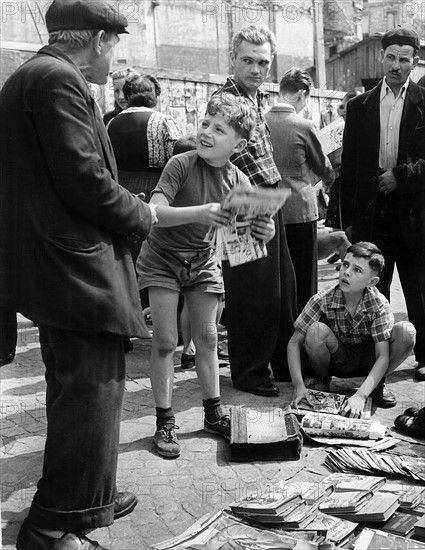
(348, 330)
(261, 293)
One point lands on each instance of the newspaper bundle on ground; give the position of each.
(342, 483)
(264, 434)
(352, 460)
(338, 529)
(235, 242)
(311, 491)
(316, 424)
(221, 531)
(373, 539)
(327, 402)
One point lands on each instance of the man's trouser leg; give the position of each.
(85, 375)
(260, 311)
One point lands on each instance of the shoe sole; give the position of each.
(127, 510)
(384, 405)
(165, 454)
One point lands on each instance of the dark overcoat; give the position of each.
(64, 260)
(360, 167)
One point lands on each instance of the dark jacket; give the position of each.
(64, 260)
(360, 167)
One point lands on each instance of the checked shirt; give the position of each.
(372, 319)
(256, 160)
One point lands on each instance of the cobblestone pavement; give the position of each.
(172, 493)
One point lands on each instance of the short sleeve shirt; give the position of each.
(372, 319)
(256, 160)
(187, 180)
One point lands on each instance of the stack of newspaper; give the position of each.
(235, 241)
(354, 460)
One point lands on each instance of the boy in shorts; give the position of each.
(176, 258)
(348, 331)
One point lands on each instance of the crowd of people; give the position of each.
(101, 215)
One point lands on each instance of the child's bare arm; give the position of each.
(205, 214)
(294, 362)
(355, 403)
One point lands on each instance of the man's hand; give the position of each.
(354, 406)
(301, 393)
(387, 183)
(263, 228)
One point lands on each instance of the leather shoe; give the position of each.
(124, 504)
(382, 397)
(413, 426)
(31, 539)
(420, 371)
(267, 389)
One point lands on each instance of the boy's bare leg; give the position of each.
(163, 304)
(188, 345)
(403, 337)
(202, 308)
(320, 343)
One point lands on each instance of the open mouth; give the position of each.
(205, 143)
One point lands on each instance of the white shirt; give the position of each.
(390, 111)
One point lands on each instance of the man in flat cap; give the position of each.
(66, 265)
(383, 179)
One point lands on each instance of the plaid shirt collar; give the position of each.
(235, 88)
(368, 303)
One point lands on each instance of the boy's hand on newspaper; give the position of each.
(263, 228)
(212, 214)
(301, 394)
(354, 406)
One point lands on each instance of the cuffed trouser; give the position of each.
(302, 244)
(260, 312)
(85, 375)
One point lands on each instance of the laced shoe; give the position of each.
(220, 427)
(165, 441)
(31, 539)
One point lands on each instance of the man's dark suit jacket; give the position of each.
(360, 166)
(64, 260)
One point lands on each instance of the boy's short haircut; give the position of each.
(237, 112)
(370, 252)
(255, 34)
(183, 144)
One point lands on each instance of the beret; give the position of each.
(401, 36)
(78, 15)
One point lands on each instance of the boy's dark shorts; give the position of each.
(352, 360)
(179, 271)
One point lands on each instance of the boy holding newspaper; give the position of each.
(176, 257)
(348, 331)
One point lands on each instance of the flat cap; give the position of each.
(401, 36)
(79, 15)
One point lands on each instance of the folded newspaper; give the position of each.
(235, 241)
(333, 425)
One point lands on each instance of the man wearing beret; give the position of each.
(383, 178)
(65, 264)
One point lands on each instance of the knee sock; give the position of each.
(212, 409)
(164, 416)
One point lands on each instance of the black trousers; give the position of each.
(85, 375)
(261, 307)
(302, 243)
(410, 262)
(8, 332)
